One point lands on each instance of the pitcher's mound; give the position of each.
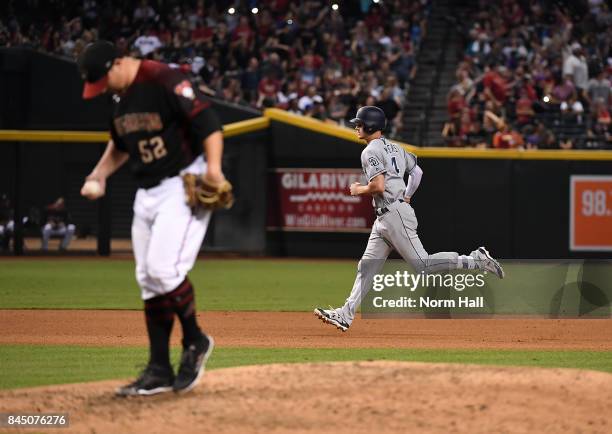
(351, 397)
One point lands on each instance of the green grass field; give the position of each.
(69, 364)
(252, 285)
(260, 285)
(283, 285)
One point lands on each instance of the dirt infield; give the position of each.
(364, 397)
(356, 397)
(303, 330)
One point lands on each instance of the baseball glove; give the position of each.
(200, 192)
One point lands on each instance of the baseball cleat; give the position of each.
(489, 263)
(331, 316)
(153, 380)
(193, 364)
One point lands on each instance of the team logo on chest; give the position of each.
(185, 90)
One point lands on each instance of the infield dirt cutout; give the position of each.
(348, 397)
(303, 330)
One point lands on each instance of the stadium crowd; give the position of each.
(535, 74)
(312, 57)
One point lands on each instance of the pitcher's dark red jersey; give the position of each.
(161, 120)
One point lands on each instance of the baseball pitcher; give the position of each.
(162, 126)
(384, 165)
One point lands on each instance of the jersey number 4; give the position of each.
(152, 149)
(394, 162)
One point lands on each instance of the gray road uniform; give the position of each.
(396, 223)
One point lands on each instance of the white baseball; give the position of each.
(91, 188)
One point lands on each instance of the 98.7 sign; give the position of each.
(591, 213)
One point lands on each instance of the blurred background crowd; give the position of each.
(531, 74)
(313, 57)
(534, 74)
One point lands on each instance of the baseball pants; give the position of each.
(396, 229)
(166, 236)
(64, 231)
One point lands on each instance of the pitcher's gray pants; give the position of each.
(396, 229)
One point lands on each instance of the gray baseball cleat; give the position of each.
(331, 316)
(486, 262)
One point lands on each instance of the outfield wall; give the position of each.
(515, 202)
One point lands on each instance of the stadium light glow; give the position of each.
(376, 1)
(231, 11)
(335, 6)
(254, 11)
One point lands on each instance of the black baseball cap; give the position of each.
(94, 63)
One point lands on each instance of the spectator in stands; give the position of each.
(465, 85)
(575, 65)
(573, 108)
(318, 110)
(243, 33)
(450, 133)
(496, 85)
(57, 225)
(602, 114)
(477, 136)
(599, 132)
(232, 91)
(507, 138)
(563, 91)
(599, 88)
(456, 104)
(309, 67)
(292, 106)
(396, 91)
(599, 136)
(144, 12)
(524, 109)
(272, 65)
(307, 101)
(164, 35)
(90, 12)
(268, 89)
(391, 108)
(566, 143)
(538, 136)
(401, 59)
(480, 48)
(147, 43)
(338, 109)
(250, 79)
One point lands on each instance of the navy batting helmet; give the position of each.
(372, 118)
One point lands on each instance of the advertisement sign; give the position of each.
(591, 213)
(317, 200)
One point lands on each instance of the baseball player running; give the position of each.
(384, 165)
(161, 124)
